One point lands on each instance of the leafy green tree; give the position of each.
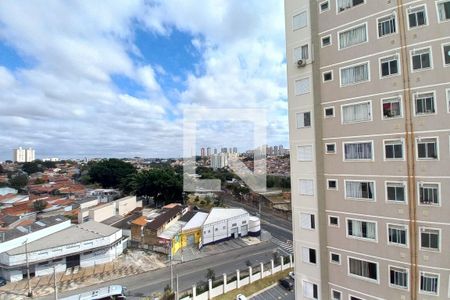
(210, 274)
(32, 167)
(39, 205)
(164, 185)
(18, 182)
(49, 164)
(1, 169)
(110, 173)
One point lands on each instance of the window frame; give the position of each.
(334, 112)
(320, 6)
(328, 184)
(338, 34)
(418, 139)
(310, 119)
(369, 77)
(439, 249)
(385, 143)
(312, 152)
(360, 199)
(335, 262)
(438, 283)
(333, 225)
(309, 255)
(383, 118)
(347, 235)
(340, 294)
(305, 11)
(447, 99)
(362, 277)
(295, 59)
(443, 54)
(404, 183)
(439, 204)
(398, 286)
(356, 103)
(330, 153)
(300, 79)
(324, 37)
(312, 227)
(323, 76)
(313, 284)
(411, 54)
(416, 95)
(426, 16)
(313, 187)
(347, 9)
(399, 67)
(356, 159)
(437, 12)
(406, 235)
(394, 13)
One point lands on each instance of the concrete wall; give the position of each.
(126, 205)
(102, 212)
(223, 229)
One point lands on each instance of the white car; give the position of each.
(292, 275)
(241, 297)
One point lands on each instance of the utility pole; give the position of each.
(54, 283)
(177, 296)
(30, 293)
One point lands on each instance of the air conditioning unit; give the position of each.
(301, 63)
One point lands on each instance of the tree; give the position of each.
(18, 182)
(39, 205)
(210, 274)
(110, 173)
(1, 169)
(164, 185)
(32, 167)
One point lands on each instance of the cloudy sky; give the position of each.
(112, 79)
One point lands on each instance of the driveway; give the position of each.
(276, 292)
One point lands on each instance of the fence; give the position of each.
(211, 289)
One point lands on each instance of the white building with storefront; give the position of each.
(55, 242)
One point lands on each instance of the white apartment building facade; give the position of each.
(24, 155)
(369, 107)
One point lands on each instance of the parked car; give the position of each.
(2, 281)
(287, 283)
(292, 275)
(241, 297)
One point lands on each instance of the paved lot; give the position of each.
(277, 292)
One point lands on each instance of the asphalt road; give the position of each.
(189, 273)
(275, 293)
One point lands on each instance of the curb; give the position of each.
(263, 290)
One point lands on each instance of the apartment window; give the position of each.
(417, 16)
(306, 187)
(355, 298)
(304, 119)
(309, 255)
(362, 229)
(358, 112)
(333, 221)
(358, 151)
(299, 20)
(332, 184)
(330, 148)
(446, 49)
(429, 239)
(386, 25)
(326, 41)
(424, 103)
(392, 108)
(307, 221)
(302, 86)
(346, 4)
(304, 153)
(329, 112)
(389, 66)
(353, 36)
(443, 10)
(301, 52)
(335, 258)
(395, 191)
(310, 290)
(397, 234)
(355, 74)
(429, 283)
(324, 6)
(448, 100)
(393, 149)
(336, 295)
(328, 76)
(363, 268)
(427, 148)
(398, 277)
(429, 193)
(359, 190)
(421, 59)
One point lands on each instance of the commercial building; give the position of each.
(369, 104)
(55, 243)
(21, 155)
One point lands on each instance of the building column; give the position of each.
(238, 279)
(272, 266)
(209, 288)
(224, 283)
(262, 270)
(194, 292)
(290, 261)
(250, 280)
(282, 262)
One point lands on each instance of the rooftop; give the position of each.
(219, 214)
(164, 217)
(196, 221)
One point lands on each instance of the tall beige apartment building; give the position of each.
(369, 118)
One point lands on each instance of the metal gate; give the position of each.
(191, 239)
(244, 230)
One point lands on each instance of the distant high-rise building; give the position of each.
(23, 155)
(224, 150)
(369, 104)
(215, 150)
(235, 150)
(202, 152)
(219, 161)
(208, 151)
